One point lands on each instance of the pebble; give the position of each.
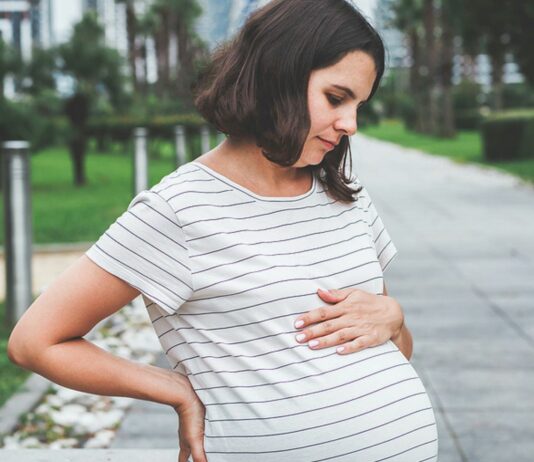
(66, 418)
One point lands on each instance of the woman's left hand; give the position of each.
(355, 320)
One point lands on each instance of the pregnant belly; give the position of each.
(367, 406)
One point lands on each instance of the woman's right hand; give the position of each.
(191, 413)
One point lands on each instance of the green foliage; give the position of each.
(516, 95)
(10, 62)
(39, 72)
(120, 128)
(12, 376)
(369, 114)
(509, 136)
(467, 95)
(18, 121)
(95, 68)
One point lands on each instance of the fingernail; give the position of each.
(299, 323)
(313, 343)
(300, 337)
(340, 349)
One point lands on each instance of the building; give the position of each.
(23, 25)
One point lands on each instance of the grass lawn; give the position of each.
(466, 147)
(12, 376)
(63, 213)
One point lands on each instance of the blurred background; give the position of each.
(78, 76)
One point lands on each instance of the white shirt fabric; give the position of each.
(224, 273)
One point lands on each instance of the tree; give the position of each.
(486, 27)
(131, 33)
(10, 63)
(96, 72)
(174, 20)
(522, 37)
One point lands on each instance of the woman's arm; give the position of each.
(48, 339)
(403, 339)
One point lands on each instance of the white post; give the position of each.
(18, 228)
(179, 138)
(140, 161)
(205, 144)
(220, 137)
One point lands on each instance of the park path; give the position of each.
(465, 278)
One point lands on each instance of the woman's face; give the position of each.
(334, 95)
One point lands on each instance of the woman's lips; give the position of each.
(327, 144)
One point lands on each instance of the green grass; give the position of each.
(62, 212)
(465, 147)
(11, 376)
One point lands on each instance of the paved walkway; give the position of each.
(465, 277)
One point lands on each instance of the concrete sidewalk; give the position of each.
(465, 278)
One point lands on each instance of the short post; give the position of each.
(220, 137)
(140, 161)
(205, 143)
(179, 139)
(18, 228)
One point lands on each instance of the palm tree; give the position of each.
(94, 68)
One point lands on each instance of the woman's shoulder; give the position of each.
(189, 179)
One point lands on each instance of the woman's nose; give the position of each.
(347, 124)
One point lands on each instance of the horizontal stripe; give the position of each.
(330, 406)
(256, 435)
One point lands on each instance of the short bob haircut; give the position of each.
(256, 85)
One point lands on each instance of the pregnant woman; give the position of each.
(261, 265)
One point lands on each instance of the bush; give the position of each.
(467, 96)
(18, 121)
(369, 114)
(508, 136)
(515, 96)
(468, 119)
(408, 113)
(120, 128)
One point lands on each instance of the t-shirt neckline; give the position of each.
(248, 192)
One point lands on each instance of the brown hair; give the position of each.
(255, 86)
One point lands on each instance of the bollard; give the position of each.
(140, 161)
(205, 143)
(220, 137)
(179, 139)
(18, 228)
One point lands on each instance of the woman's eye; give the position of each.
(334, 101)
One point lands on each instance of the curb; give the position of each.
(56, 248)
(86, 455)
(28, 395)
(21, 402)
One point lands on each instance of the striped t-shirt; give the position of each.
(224, 273)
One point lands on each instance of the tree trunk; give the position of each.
(415, 79)
(77, 147)
(429, 68)
(77, 111)
(184, 60)
(131, 23)
(447, 128)
(162, 52)
(497, 63)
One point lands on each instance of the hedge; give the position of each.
(508, 136)
(120, 128)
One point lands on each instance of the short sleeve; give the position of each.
(146, 248)
(385, 248)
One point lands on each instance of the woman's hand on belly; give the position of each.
(354, 319)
